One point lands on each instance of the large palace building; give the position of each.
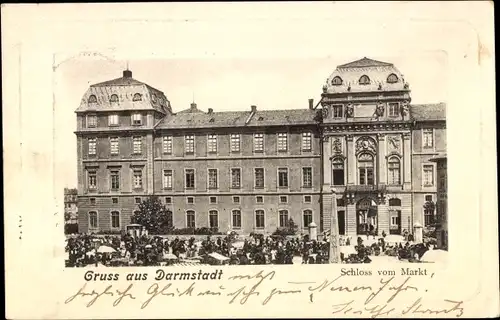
(253, 170)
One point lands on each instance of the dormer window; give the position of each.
(364, 80)
(92, 99)
(153, 98)
(392, 78)
(137, 97)
(114, 98)
(337, 81)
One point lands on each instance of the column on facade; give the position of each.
(382, 163)
(150, 164)
(407, 160)
(327, 181)
(351, 218)
(383, 217)
(351, 161)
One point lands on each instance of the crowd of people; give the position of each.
(258, 249)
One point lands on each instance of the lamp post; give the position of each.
(334, 232)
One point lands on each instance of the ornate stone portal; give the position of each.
(366, 144)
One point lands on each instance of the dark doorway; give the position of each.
(341, 221)
(366, 217)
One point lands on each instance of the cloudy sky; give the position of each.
(274, 64)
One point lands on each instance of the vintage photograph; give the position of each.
(354, 173)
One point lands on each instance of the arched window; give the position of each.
(338, 172)
(259, 219)
(190, 219)
(92, 219)
(364, 80)
(393, 171)
(92, 99)
(308, 218)
(114, 98)
(283, 218)
(236, 219)
(365, 169)
(137, 97)
(394, 202)
(337, 81)
(115, 219)
(213, 219)
(392, 78)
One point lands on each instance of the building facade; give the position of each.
(253, 170)
(442, 201)
(70, 206)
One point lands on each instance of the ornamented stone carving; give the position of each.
(325, 112)
(349, 137)
(405, 108)
(325, 87)
(349, 110)
(379, 110)
(393, 143)
(337, 146)
(366, 144)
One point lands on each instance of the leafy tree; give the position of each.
(153, 215)
(289, 230)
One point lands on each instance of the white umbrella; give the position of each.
(238, 244)
(436, 256)
(105, 249)
(218, 256)
(169, 256)
(347, 250)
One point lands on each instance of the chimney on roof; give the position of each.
(210, 110)
(311, 104)
(254, 108)
(127, 74)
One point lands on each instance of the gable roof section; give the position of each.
(365, 62)
(428, 112)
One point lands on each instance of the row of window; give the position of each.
(114, 98)
(337, 111)
(114, 120)
(114, 145)
(235, 178)
(114, 179)
(213, 219)
(365, 80)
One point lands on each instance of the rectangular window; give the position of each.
(115, 180)
(393, 109)
(92, 201)
(167, 179)
(189, 144)
(259, 199)
(308, 218)
(428, 175)
(213, 200)
(236, 200)
(259, 177)
(190, 200)
(189, 181)
(235, 143)
(91, 121)
(283, 199)
(190, 219)
(428, 138)
(337, 111)
(306, 141)
(137, 145)
(114, 145)
(92, 179)
(212, 178)
(283, 218)
(213, 217)
(283, 177)
(212, 143)
(92, 146)
(307, 177)
(136, 119)
(258, 142)
(167, 144)
(282, 142)
(259, 219)
(236, 219)
(114, 200)
(338, 172)
(137, 179)
(428, 198)
(366, 176)
(168, 200)
(395, 221)
(93, 219)
(235, 178)
(307, 199)
(393, 172)
(113, 120)
(115, 219)
(137, 200)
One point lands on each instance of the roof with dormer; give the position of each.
(201, 119)
(346, 77)
(132, 94)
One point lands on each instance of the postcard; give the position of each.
(249, 160)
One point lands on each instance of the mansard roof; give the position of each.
(428, 112)
(238, 119)
(131, 93)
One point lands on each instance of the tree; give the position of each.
(153, 215)
(289, 230)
